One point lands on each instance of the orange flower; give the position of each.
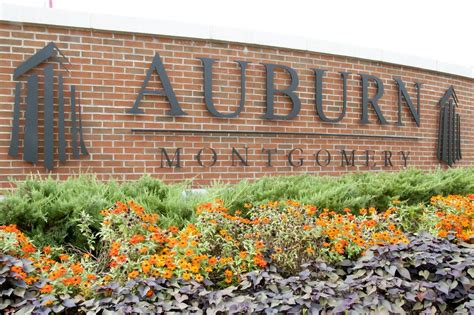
(167, 274)
(47, 250)
(146, 266)
(76, 280)
(122, 258)
(91, 277)
(173, 229)
(442, 233)
(243, 254)
(310, 210)
(228, 273)
(133, 274)
(28, 248)
(259, 261)
(16, 269)
(278, 250)
(137, 238)
(77, 268)
(339, 247)
(47, 288)
(114, 250)
(30, 280)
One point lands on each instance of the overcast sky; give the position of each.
(440, 30)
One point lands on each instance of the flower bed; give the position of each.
(53, 212)
(272, 257)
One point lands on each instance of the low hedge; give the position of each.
(49, 211)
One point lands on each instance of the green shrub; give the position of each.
(355, 191)
(50, 211)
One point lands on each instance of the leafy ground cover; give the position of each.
(266, 257)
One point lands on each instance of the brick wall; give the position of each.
(109, 68)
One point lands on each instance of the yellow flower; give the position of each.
(167, 274)
(186, 276)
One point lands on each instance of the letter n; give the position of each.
(403, 93)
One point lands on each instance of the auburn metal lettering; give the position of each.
(290, 92)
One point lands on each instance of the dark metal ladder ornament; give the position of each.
(449, 132)
(30, 143)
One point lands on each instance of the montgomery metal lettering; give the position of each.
(296, 157)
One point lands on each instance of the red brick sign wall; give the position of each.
(108, 70)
